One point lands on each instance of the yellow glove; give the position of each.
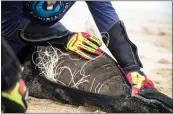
(85, 45)
(139, 81)
(14, 100)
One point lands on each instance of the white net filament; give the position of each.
(49, 60)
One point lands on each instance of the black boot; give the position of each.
(122, 48)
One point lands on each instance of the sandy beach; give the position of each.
(151, 31)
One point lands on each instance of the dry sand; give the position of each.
(151, 32)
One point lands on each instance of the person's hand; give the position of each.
(85, 45)
(138, 81)
(14, 100)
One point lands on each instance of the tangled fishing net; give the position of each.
(65, 68)
(50, 61)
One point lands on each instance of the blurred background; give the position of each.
(125, 10)
(149, 26)
(158, 6)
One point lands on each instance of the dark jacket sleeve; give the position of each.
(103, 13)
(10, 67)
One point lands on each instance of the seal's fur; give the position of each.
(113, 96)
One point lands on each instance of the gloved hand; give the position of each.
(138, 81)
(84, 45)
(14, 100)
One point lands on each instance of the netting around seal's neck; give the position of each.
(49, 60)
(51, 64)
